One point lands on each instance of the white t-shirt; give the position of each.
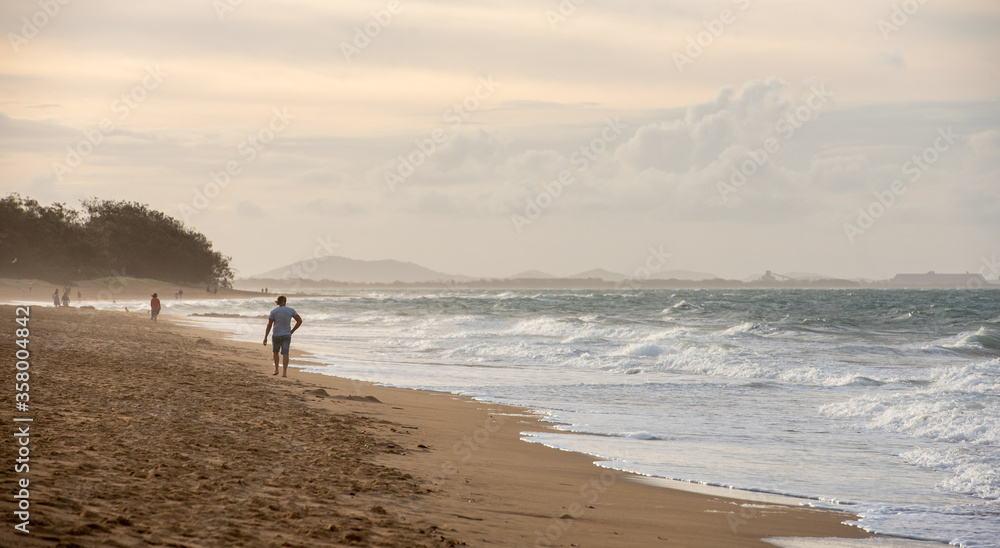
(282, 317)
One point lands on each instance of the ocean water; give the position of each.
(880, 402)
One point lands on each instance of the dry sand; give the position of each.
(160, 434)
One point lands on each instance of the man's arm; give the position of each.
(298, 322)
(270, 322)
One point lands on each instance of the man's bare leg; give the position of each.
(276, 363)
(284, 371)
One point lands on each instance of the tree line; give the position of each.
(60, 244)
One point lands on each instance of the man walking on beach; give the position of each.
(281, 318)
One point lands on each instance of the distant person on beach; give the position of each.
(281, 318)
(55, 297)
(65, 299)
(154, 307)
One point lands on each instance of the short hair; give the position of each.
(280, 300)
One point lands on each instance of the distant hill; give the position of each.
(600, 274)
(342, 269)
(532, 275)
(682, 275)
(808, 276)
(800, 276)
(340, 272)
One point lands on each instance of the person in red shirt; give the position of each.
(154, 307)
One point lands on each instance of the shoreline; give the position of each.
(504, 424)
(746, 504)
(126, 290)
(472, 478)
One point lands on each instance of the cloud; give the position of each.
(892, 58)
(15, 130)
(667, 146)
(985, 145)
(684, 133)
(250, 210)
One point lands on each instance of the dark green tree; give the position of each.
(60, 245)
(44, 242)
(145, 243)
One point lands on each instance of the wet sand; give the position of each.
(160, 434)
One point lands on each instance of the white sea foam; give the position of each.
(926, 413)
(985, 340)
(641, 349)
(636, 435)
(753, 328)
(973, 470)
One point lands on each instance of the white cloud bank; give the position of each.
(591, 148)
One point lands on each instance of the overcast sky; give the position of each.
(489, 137)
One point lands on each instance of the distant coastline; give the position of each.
(292, 284)
(337, 272)
(123, 288)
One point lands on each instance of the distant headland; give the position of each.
(342, 273)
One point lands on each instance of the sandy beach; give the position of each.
(161, 434)
(112, 289)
